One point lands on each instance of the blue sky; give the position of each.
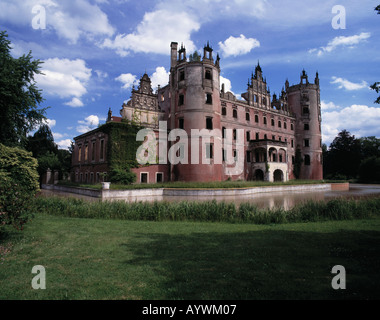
(95, 50)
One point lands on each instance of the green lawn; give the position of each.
(114, 259)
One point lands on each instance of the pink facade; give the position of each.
(267, 130)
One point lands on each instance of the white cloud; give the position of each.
(75, 103)
(342, 41)
(70, 19)
(348, 85)
(328, 106)
(64, 78)
(64, 144)
(50, 122)
(227, 84)
(159, 77)
(89, 123)
(155, 33)
(128, 80)
(238, 46)
(360, 120)
(101, 74)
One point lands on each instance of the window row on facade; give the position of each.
(91, 151)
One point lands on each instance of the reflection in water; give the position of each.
(265, 200)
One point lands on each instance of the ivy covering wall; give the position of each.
(121, 150)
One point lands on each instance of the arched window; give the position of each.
(256, 118)
(247, 116)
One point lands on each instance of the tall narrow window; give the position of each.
(234, 113)
(234, 134)
(223, 132)
(247, 116)
(224, 111)
(209, 123)
(279, 124)
(209, 151)
(208, 98)
(208, 74)
(181, 75)
(257, 136)
(181, 123)
(248, 136)
(86, 153)
(307, 143)
(256, 118)
(181, 100)
(79, 153)
(101, 149)
(248, 156)
(307, 160)
(93, 151)
(272, 122)
(265, 120)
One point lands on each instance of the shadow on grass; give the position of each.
(258, 265)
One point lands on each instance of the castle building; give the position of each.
(275, 138)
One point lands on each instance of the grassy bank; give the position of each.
(114, 259)
(198, 185)
(210, 211)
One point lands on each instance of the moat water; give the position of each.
(264, 200)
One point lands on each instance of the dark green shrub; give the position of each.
(18, 185)
(122, 175)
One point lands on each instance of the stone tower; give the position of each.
(304, 101)
(195, 105)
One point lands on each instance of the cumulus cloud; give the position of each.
(64, 78)
(171, 26)
(342, 41)
(89, 123)
(227, 84)
(127, 79)
(348, 85)
(50, 122)
(70, 19)
(159, 78)
(328, 106)
(235, 46)
(360, 120)
(64, 144)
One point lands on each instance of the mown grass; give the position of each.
(210, 211)
(143, 260)
(198, 185)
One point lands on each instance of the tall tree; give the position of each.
(19, 95)
(42, 142)
(344, 155)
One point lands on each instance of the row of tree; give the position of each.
(23, 158)
(352, 158)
